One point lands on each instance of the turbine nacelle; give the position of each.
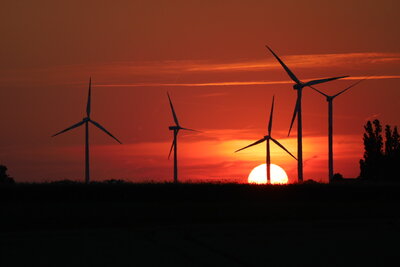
(298, 86)
(329, 98)
(174, 128)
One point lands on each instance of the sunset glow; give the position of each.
(199, 133)
(211, 57)
(259, 175)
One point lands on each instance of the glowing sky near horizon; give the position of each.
(210, 56)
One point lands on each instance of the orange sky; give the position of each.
(210, 56)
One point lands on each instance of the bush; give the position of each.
(337, 177)
(4, 178)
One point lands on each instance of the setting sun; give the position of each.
(259, 175)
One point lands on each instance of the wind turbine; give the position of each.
(174, 145)
(268, 138)
(86, 121)
(299, 85)
(330, 123)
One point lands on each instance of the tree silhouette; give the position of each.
(391, 153)
(4, 178)
(370, 166)
(396, 145)
(380, 159)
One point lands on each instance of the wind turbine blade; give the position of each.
(270, 116)
(281, 146)
(104, 130)
(354, 84)
(190, 130)
(315, 89)
(253, 144)
(172, 147)
(314, 82)
(289, 72)
(89, 96)
(70, 128)
(296, 109)
(173, 110)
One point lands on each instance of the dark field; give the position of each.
(349, 224)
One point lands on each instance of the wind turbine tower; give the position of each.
(176, 128)
(268, 138)
(330, 99)
(86, 121)
(299, 85)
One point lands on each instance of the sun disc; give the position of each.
(259, 175)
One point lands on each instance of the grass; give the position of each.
(123, 224)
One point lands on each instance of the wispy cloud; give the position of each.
(236, 83)
(295, 61)
(303, 61)
(154, 73)
(168, 73)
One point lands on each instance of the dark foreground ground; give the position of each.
(200, 225)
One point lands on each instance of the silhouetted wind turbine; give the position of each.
(86, 122)
(174, 145)
(299, 85)
(268, 138)
(330, 123)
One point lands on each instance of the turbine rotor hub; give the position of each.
(298, 86)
